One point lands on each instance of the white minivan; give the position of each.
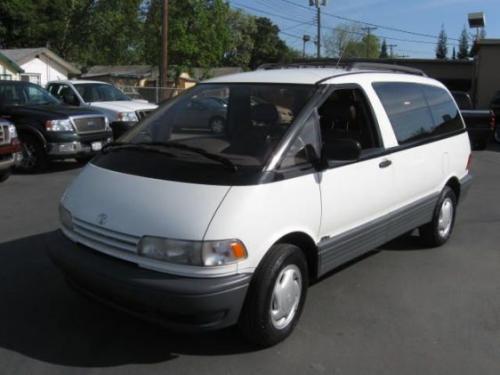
(198, 230)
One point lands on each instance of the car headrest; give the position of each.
(265, 113)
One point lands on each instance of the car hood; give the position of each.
(54, 111)
(140, 206)
(124, 106)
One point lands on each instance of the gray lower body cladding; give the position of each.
(354, 243)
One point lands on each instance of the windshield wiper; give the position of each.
(218, 158)
(117, 146)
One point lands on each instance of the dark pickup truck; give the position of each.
(9, 149)
(48, 129)
(480, 123)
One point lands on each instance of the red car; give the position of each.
(10, 149)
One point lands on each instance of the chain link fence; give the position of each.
(151, 94)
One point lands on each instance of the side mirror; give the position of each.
(341, 151)
(71, 100)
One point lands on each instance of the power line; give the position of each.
(390, 28)
(247, 7)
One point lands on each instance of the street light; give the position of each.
(305, 39)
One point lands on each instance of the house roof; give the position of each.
(23, 55)
(10, 64)
(120, 71)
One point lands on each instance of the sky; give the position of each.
(417, 16)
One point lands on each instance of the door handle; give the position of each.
(385, 163)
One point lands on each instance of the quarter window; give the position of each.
(418, 111)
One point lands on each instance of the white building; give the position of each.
(40, 65)
(9, 70)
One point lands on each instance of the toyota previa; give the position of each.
(200, 229)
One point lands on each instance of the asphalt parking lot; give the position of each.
(401, 310)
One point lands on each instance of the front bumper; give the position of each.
(179, 303)
(61, 146)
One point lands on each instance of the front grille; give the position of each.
(4, 135)
(86, 125)
(143, 113)
(105, 238)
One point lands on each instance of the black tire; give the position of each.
(496, 134)
(217, 125)
(5, 175)
(481, 145)
(432, 234)
(34, 155)
(255, 323)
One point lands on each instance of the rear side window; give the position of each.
(418, 112)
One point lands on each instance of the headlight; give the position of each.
(59, 126)
(65, 217)
(194, 253)
(128, 117)
(12, 132)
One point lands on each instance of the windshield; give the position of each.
(100, 92)
(16, 94)
(242, 123)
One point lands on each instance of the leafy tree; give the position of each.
(198, 32)
(243, 29)
(442, 45)
(268, 46)
(348, 41)
(383, 50)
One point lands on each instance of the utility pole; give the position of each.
(391, 47)
(164, 51)
(318, 4)
(368, 30)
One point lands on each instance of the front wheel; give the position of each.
(34, 155)
(438, 231)
(276, 296)
(4, 175)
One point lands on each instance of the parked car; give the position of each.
(495, 107)
(10, 148)
(480, 123)
(48, 129)
(207, 231)
(122, 112)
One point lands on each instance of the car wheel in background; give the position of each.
(84, 159)
(439, 230)
(34, 155)
(217, 125)
(496, 135)
(276, 296)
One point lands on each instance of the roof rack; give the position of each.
(348, 66)
(386, 68)
(298, 65)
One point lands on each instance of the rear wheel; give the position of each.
(34, 155)
(84, 159)
(276, 296)
(217, 125)
(4, 175)
(439, 230)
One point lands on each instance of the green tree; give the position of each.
(243, 28)
(348, 41)
(383, 50)
(442, 45)
(198, 32)
(463, 45)
(268, 46)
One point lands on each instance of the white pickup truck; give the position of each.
(122, 112)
